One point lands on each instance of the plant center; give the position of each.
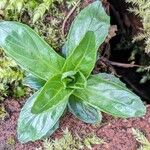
(73, 80)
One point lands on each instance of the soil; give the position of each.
(117, 133)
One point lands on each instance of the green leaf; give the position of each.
(29, 50)
(80, 81)
(83, 57)
(107, 93)
(52, 93)
(33, 82)
(92, 18)
(32, 127)
(74, 80)
(83, 110)
(68, 77)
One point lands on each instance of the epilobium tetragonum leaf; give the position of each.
(108, 94)
(33, 82)
(77, 60)
(32, 127)
(29, 50)
(83, 111)
(92, 18)
(60, 82)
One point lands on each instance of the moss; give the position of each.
(142, 9)
(10, 76)
(140, 137)
(70, 142)
(3, 112)
(11, 140)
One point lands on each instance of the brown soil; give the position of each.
(117, 133)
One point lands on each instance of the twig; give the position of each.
(67, 17)
(124, 65)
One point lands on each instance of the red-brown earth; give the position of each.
(117, 133)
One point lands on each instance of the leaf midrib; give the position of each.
(78, 64)
(99, 107)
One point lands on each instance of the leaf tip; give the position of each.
(141, 112)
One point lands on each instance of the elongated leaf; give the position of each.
(29, 50)
(50, 95)
(92, 18)
(83, 58)
(32, 127)
(33, 82)
(109, 94)
(83, 110)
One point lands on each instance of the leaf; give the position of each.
(92, 18)
(107, 93)
(68, 77)
(84, 111)
(74, 80)
(52, 93)
(83, 57)
(80, 81)
(29, 50)
(32, 127)
(33, 82)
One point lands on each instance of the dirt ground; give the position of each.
(117, 133)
